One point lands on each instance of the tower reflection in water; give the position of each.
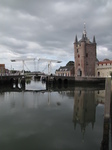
(85, 102)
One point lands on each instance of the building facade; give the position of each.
(2, 68)
(86, 62)
(104, 68)
(67, 70)
(85, 56)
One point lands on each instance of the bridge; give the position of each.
(49, 61)
(75, 80)
(12, 80)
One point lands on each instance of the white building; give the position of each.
(104, 68)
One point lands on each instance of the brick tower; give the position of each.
(85, 55)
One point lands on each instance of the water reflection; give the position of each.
(84, 109)
(61, 118)
(85, 103)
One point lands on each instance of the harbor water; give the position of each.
(66, 118)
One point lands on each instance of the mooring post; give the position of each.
(107, 97)
(16, 82)
(111, 113)
(23, 83)
(105, 141)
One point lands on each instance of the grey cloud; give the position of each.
(47, 28)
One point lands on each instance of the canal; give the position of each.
(69, 118)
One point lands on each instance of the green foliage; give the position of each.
(70, 63)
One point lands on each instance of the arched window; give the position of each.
(98, 74)
(79, 72)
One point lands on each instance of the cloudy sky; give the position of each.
(47, 29)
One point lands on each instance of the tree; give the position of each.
(70, 63)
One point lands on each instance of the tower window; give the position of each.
(86, 54)
(78, 55)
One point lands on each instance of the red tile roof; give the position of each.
(105, 62)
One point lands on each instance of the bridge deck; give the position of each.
(8, 77)
(67, 79)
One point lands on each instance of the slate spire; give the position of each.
(76, 39)
(83, 37)
(94, 41)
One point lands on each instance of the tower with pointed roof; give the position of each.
(85, 55)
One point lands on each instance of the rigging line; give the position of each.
(27, 67)
(35, 67)
(51, 67)
(44, 68)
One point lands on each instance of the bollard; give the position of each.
(105, 141)
(107, 97)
